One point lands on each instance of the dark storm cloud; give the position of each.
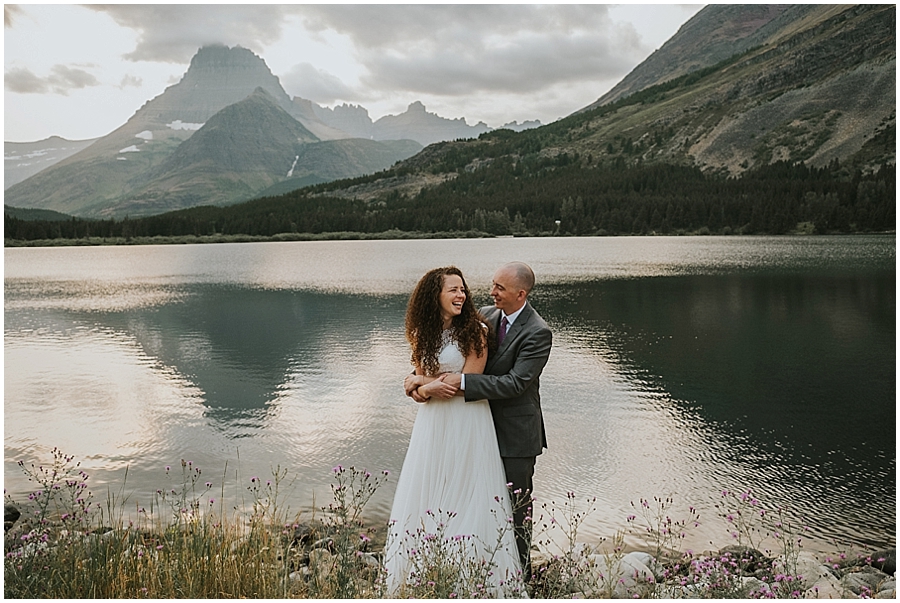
(61, 80)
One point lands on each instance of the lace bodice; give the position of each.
(450, 358)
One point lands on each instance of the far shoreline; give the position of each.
(389, 235)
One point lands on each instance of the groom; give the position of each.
(511, 383)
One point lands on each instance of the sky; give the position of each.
(81, 71)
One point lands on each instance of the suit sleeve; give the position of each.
(530, 360)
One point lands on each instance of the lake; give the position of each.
(681, 367)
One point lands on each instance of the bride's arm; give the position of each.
(421, 387)
(474, 365)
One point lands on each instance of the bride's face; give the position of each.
(453, 294)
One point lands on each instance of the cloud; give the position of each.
(131, 80)
(319, 86)
(465, 49)
(172, 33)
(24, 82)
(61, 80)
(10, 12)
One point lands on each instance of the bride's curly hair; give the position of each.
(424, 325)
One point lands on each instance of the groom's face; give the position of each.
(506, 291)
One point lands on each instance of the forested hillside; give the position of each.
(794, 134)
(553, 196)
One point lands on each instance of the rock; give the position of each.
(864, 582)
(323, 543)
(754, 588)
(10, 515)
(320, 561)
(370, 560)
(889, 585)
(630, 575)
(885, 560)
(827, 587)
(810, 569)
(748, 557)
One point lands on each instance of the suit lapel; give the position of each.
(514, 330)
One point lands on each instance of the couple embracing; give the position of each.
(467, 476)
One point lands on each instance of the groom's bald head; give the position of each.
(522, 274)
(511, 285)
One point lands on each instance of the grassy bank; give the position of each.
(802, 229)
(190, 543)
(237, 238)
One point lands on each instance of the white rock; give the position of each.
(753, 586)
(810, 568)
(629, 575)
(827, 587)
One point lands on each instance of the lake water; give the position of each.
(681, 366)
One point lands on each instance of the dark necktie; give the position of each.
(501, 334)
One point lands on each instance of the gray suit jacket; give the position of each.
(511, 383)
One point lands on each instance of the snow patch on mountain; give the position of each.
(180, 125)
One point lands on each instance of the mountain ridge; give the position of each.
(113, 175)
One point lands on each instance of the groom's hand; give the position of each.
(439, 388)
(453, 380)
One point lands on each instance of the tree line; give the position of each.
(535, 195)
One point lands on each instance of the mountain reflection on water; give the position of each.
(672, 381)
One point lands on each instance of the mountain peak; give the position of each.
(218, 76)
(416, 107)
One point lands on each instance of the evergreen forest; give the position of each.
(540, 196)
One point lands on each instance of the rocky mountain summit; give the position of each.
(739, 87)
(142, 167)
(226, 131)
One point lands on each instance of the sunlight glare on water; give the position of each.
(681, 367)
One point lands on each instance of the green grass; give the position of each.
(190, 543)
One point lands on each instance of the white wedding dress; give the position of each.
(452, 498)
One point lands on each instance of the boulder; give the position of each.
(810, 569)
(630, 575)
(888, 588)
(10, 516)
(827, 587)
(864, 582)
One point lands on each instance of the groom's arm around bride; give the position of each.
(511, 383)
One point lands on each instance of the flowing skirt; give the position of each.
(452, 503)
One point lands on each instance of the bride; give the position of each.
(451, 499)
